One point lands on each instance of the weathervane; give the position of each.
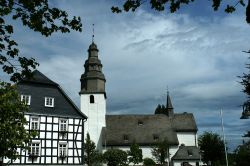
(93, 26)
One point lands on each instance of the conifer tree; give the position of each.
(91, 155)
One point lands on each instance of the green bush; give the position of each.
(115, 157)
(148, 162)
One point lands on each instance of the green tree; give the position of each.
(12, 132)
(174, 5)
(148, 162)
(91, 155)
(38, 16)
(242, 154)
(135, 154)
(212, 148)
(161, 152)
(245, 81)
(115, 157)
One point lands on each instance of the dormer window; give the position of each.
(156, 137)
(49, 102)
(125, 138)
(91, 99)
(140, 123)
(26, 99)
(190, 153)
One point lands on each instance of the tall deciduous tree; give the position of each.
(161, 152)
(12, 132)
(212, 148)
(38, 16)
(91, 155)
(135, 154)
(174, 5)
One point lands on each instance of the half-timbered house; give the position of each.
(58, 122)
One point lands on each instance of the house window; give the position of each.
(125, 138)
(63, 123)
(63, 149)
(26, 99)
(92, 99)
(34, 149)
(49, 102)
(34, 123)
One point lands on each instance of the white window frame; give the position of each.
(35, 148)
(62, 149)
(65, 125)
(32, 121)
(26, 99)
(49, 102)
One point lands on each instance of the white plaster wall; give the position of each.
(172, 151)
(96, 116)
(179, 163)
(187, 138)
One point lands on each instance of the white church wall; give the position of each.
(96, 116)
(187, 138)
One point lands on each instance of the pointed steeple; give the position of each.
(92, 80)
(169, 106)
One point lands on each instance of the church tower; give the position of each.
(93, 96)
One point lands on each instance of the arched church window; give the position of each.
(92, 99)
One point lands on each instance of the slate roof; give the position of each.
(40, 87)
(187, 153)
(139, 128)
(184, 122)
(159, 125)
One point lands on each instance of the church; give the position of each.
(62, 126)
(120, 131)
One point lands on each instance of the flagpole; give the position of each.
(224, 138)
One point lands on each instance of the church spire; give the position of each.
(169, 106)
(93, 79)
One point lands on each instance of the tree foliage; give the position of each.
(38, 16)
(161, 151)
(12, 132)
(242, 154)
(115, 157)
(245, 81)
(148, 162)
(91, 155)
(135, 154)
(212, 148)
(161, 109)
(174, 5)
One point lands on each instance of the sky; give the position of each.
(195, 53)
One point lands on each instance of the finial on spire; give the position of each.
(93, 35)
(167, 90)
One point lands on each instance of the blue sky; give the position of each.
(196, 53)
